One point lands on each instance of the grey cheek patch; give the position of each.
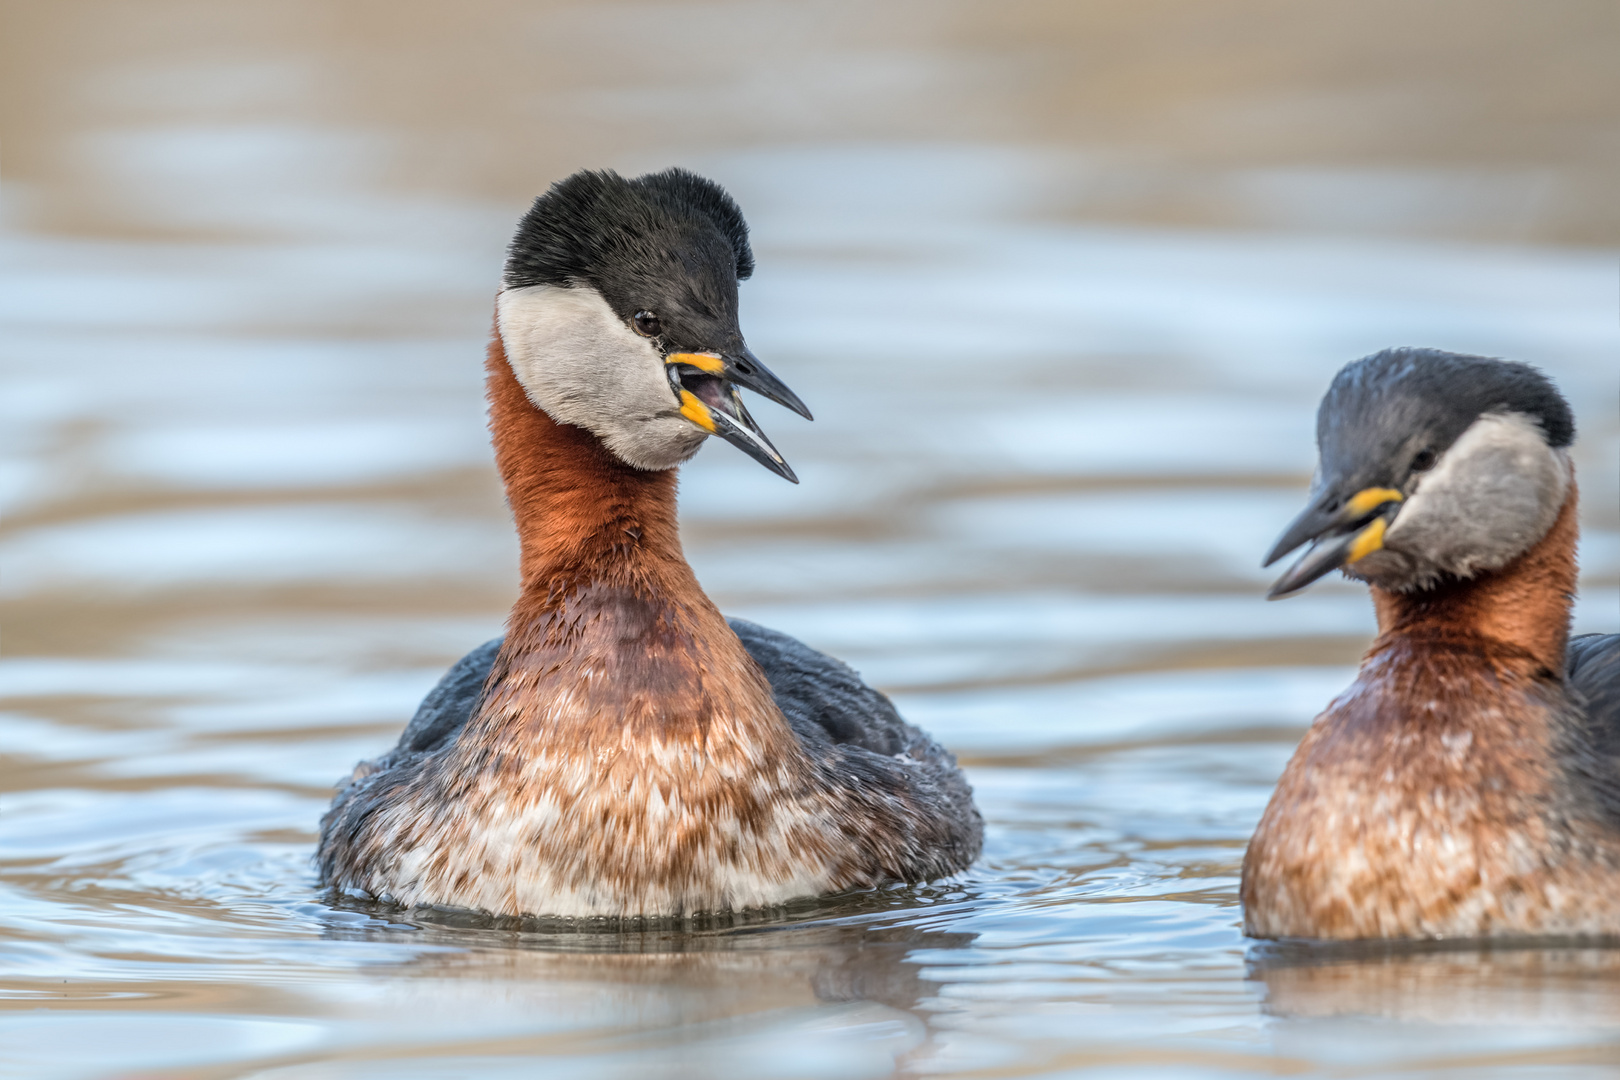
(1492, 495)
(581, 364)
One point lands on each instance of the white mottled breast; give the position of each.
(1370, 863)
(1423, 832)
(644, 828)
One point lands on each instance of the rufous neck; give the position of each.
(1525, 606)
(580, 512)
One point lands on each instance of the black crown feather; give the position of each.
(1403, 390)
(597, 219)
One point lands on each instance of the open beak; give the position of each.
(1338, 537)
(706, 385)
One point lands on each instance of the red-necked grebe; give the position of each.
(624, 751)
(1468, 783)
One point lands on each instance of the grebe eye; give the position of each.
(647, 324)
(1425, 459)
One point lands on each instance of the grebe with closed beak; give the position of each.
(624, 751)
(1468, 783)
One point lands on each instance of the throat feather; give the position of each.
(611, 640)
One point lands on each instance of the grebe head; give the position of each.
(1432, 465)
(618, 314)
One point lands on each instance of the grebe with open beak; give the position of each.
(1468, 783)
(624, 751)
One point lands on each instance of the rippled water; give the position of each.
(251, 517)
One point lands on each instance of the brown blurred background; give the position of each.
(1493, 121)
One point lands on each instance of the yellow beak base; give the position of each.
(708, 363)
(1370, 499)
(1367, 541)
(697, 412)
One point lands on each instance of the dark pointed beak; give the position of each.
(1340, 532)
(744, 369)
(706, 386)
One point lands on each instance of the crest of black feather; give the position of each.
(599, 229)
(1382, 407)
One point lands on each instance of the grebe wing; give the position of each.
(1593, 665)
(450, 704)
(857, 734)
(814, 690)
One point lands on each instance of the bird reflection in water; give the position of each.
(1571, 984)
(859, 947)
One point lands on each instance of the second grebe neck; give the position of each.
(1518, 615)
